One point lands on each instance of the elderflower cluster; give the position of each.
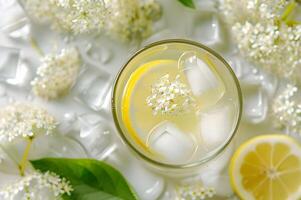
(286, 109)
(170, 97)
(130, 19)
(251, 10)
(125, 19)
(266, 34)
(56, 74)
(34, 187)
(195, 192)
(21, 120)
(78, 16)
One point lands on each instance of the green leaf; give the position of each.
(187, 3)
(90, 179)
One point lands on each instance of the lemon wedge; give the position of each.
(137, 75)
(267, 168)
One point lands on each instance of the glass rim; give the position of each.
(212, 154)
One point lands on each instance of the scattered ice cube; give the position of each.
(70, 117)
(270, 83)
(100, 142)
(87, 121)
(23, 76)
(96, 135)
(9, 58)
(10, 13)
(56, 146)
(95, 53)
(216, 124)
(92, 87)
(200, 75)
(209, 30)
(148, 185)
(255, 103)
(68, 123)
(238, 65)
(19, 31)
(170, 142)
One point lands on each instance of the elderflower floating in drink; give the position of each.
(177, 103)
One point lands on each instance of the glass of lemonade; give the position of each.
(177, 105)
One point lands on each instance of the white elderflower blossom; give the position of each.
(170, 97)
(125, 19)
(266, 34)
(21, 120)
(37, 186)
(195, 192)
(131, 19)
(57, 74)
(286, 109)
(84, 16)
(76, 16)
(251, 10)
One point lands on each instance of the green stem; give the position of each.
(288, 11)
(23, 163)
(36, 47)
(293, 22)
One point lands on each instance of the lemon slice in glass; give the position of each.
(267, 168)
(137, 75)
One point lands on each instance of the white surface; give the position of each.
(105, 57)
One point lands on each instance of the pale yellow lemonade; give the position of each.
(178, 103)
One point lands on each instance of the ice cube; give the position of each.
(56, 146)
(20, 31)
(23, 75)
(96, 135)
(87, 121)
(209, 30)
(92, 87)
(152, 185)
(217, 124)
(100, 142)
(10, 12)
(200, 75)
(169, 141)
(68, 123)
(95, 53)
(237, 64)
(255, 103)
(9, 59)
